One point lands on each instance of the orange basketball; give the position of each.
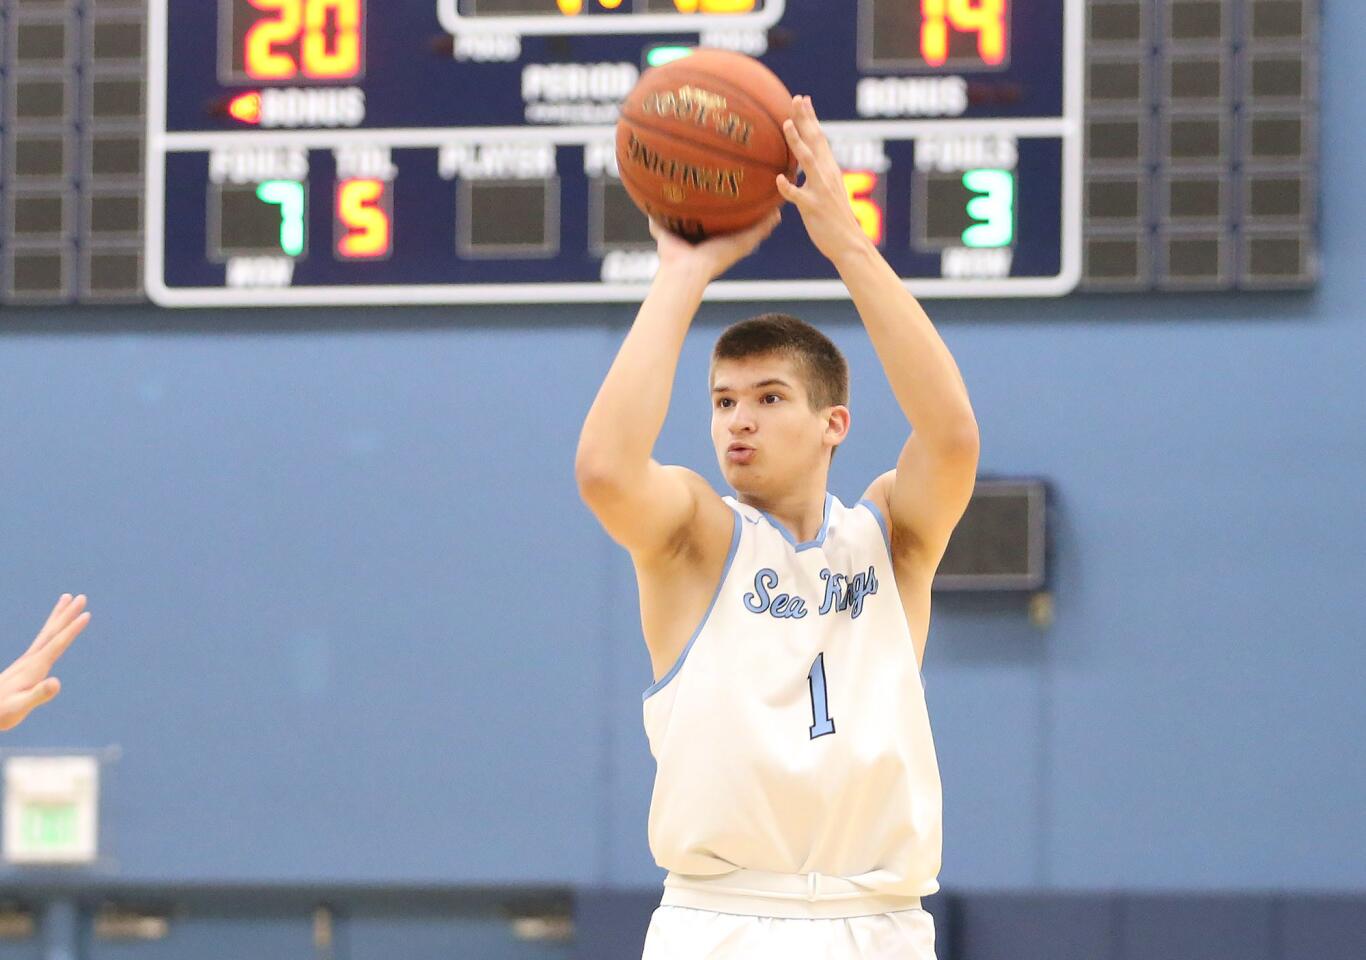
(700, 141)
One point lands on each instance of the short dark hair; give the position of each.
(818, 360)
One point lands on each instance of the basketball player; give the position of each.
(25, 684)
(797, 801)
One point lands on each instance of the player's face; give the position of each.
(767, 438)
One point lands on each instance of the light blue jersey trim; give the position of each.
(881, 522)
(820, 537)
(663, 681)
(887, 539)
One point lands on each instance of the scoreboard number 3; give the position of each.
(994, 207)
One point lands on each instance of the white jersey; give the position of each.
(791, 736)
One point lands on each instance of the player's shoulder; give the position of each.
(708, 529)
(687, 475)
(910, 563)
(701, 489)
(879, 492)
(878, 499)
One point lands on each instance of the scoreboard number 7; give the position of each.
(290, 197)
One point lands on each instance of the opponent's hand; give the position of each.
(25, 684)
(822, 199)
(713, 256)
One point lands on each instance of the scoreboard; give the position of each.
(439, 151)
(315, 151)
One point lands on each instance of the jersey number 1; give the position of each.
(822, 723)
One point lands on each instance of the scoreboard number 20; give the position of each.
(276, 41)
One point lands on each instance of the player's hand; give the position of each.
(822, 199)
(25, 684)
(713, 256)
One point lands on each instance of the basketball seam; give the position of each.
(643, 188)
(759, 107)
(748, 161)
(740, 92)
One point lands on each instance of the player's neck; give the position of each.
(801, 512)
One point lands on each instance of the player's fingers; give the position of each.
(57, 608)
(797, 145)
(59, 622)
(755, 234)
(659, 231)
(71, 611)
(795, 142)
(808, 113)
(789, 191)
(812, 134)
(805, 117)
(45, 630)
(62, 601)
(55, 647)
(16, 708)
(807, 125)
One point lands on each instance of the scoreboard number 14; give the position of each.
(986, 18)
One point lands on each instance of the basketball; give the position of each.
(700, 141)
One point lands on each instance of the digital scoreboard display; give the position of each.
(441, 151)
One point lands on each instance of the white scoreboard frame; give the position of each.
(525, 25)
(160, 142)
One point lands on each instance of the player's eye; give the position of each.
(772, 398)
(725, 402)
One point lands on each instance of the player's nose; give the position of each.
(741, 420)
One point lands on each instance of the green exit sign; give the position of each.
(51, 809)
(48, 827)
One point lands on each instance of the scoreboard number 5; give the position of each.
(364, 225)
(859, 186)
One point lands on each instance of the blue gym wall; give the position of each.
(352, 624)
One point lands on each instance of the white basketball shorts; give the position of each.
(685, 933)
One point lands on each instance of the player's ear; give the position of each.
(836, 424)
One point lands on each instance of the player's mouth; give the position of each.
(739, 453)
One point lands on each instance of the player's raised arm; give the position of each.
(641, 504)
(938, 465)
(25, 684)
